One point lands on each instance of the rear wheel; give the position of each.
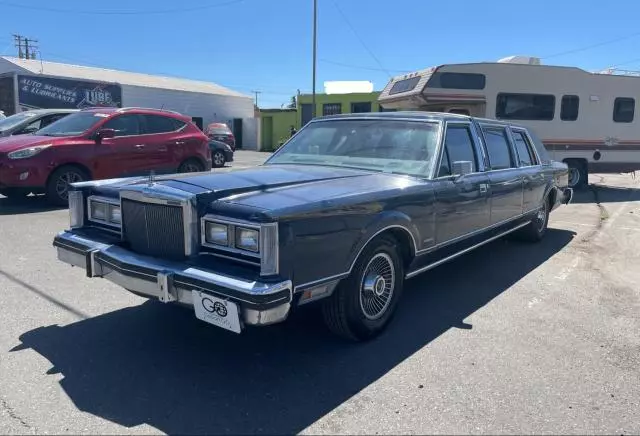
(537, 228)
(218, 159)
(191, 166)
(59, 182)
(578, 173)
(363, 304)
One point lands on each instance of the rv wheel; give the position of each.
(578, 174)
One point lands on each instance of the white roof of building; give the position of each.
(121, 77)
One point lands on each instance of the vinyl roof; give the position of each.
(121, 77)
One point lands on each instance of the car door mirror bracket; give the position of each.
(461, 168)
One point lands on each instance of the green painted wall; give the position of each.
(274, 126)
(275, 123)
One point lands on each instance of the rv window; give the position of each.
(404, 85)
(458, 146)
(457, 81)
(525, 107)
(623, 109)
(498, 148)
(331, 108)
(526, 157)
(569, 107)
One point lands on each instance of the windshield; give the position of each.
(72, 125)
(401, 147)
(14, 120)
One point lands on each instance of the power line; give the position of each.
(256, 93)
(588, 47)
(115, 12)
(25, 51)
(360, 67)
(375, 58)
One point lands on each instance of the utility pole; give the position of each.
(315, 44)
(18, 40)
(256, 93)
(26, 47)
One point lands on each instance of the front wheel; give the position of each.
(363, 304)
(60, 181)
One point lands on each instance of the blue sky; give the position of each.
(266, 44)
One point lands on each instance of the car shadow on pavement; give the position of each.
(157, 364)
(26, 205)
(597, 193)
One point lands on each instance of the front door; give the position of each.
(462, 202)
(505, 178)
(533, 179)
(126, 154)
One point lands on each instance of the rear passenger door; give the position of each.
(164, 142)
(533, 179)
(462, 205)
(505, 178)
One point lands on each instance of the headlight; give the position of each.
(104, 210)
(216, 233)
(247, 239)
(27, 152)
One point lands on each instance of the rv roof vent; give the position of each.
(529, 60)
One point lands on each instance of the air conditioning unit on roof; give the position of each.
(527, 60)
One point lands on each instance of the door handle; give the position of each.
(179, 142)
(483, 188)
(139, 146)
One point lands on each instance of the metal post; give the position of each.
(315, 25)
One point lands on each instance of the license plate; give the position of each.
(216, 311)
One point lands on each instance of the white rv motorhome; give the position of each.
(584, 119)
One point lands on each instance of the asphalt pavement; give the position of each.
(511, 338)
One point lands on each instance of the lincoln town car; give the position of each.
(341, 215)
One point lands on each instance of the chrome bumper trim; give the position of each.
(261, 303)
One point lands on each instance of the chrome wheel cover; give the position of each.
(377, 286)
(541, 218)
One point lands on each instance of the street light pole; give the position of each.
(315, 25)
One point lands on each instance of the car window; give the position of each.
(525, 154)
(161, 124)
(458, 146)
(45, 121)
(498, 148)
(36, 125)
(124, 125)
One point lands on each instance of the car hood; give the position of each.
(13, 143)
(272, 191)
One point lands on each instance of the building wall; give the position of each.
(345, 101)
(275, 125)
(211, 108)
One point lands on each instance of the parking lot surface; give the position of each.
(511, 338)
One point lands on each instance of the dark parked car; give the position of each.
(31, 121)
(99, 144)
(342, 214)
(221, 153)
(221, 132)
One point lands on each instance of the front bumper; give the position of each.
(260, 303)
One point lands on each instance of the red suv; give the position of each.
(100, 143)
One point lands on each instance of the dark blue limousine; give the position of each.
(343, 213)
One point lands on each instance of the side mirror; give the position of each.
(105, 134)
(462, 168)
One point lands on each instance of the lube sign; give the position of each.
(35, 92)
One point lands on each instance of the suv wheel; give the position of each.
(190, 166)
(59, 181)
(364, 303)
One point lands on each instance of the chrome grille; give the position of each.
(153, 229)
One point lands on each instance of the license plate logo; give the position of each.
(216, 311)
